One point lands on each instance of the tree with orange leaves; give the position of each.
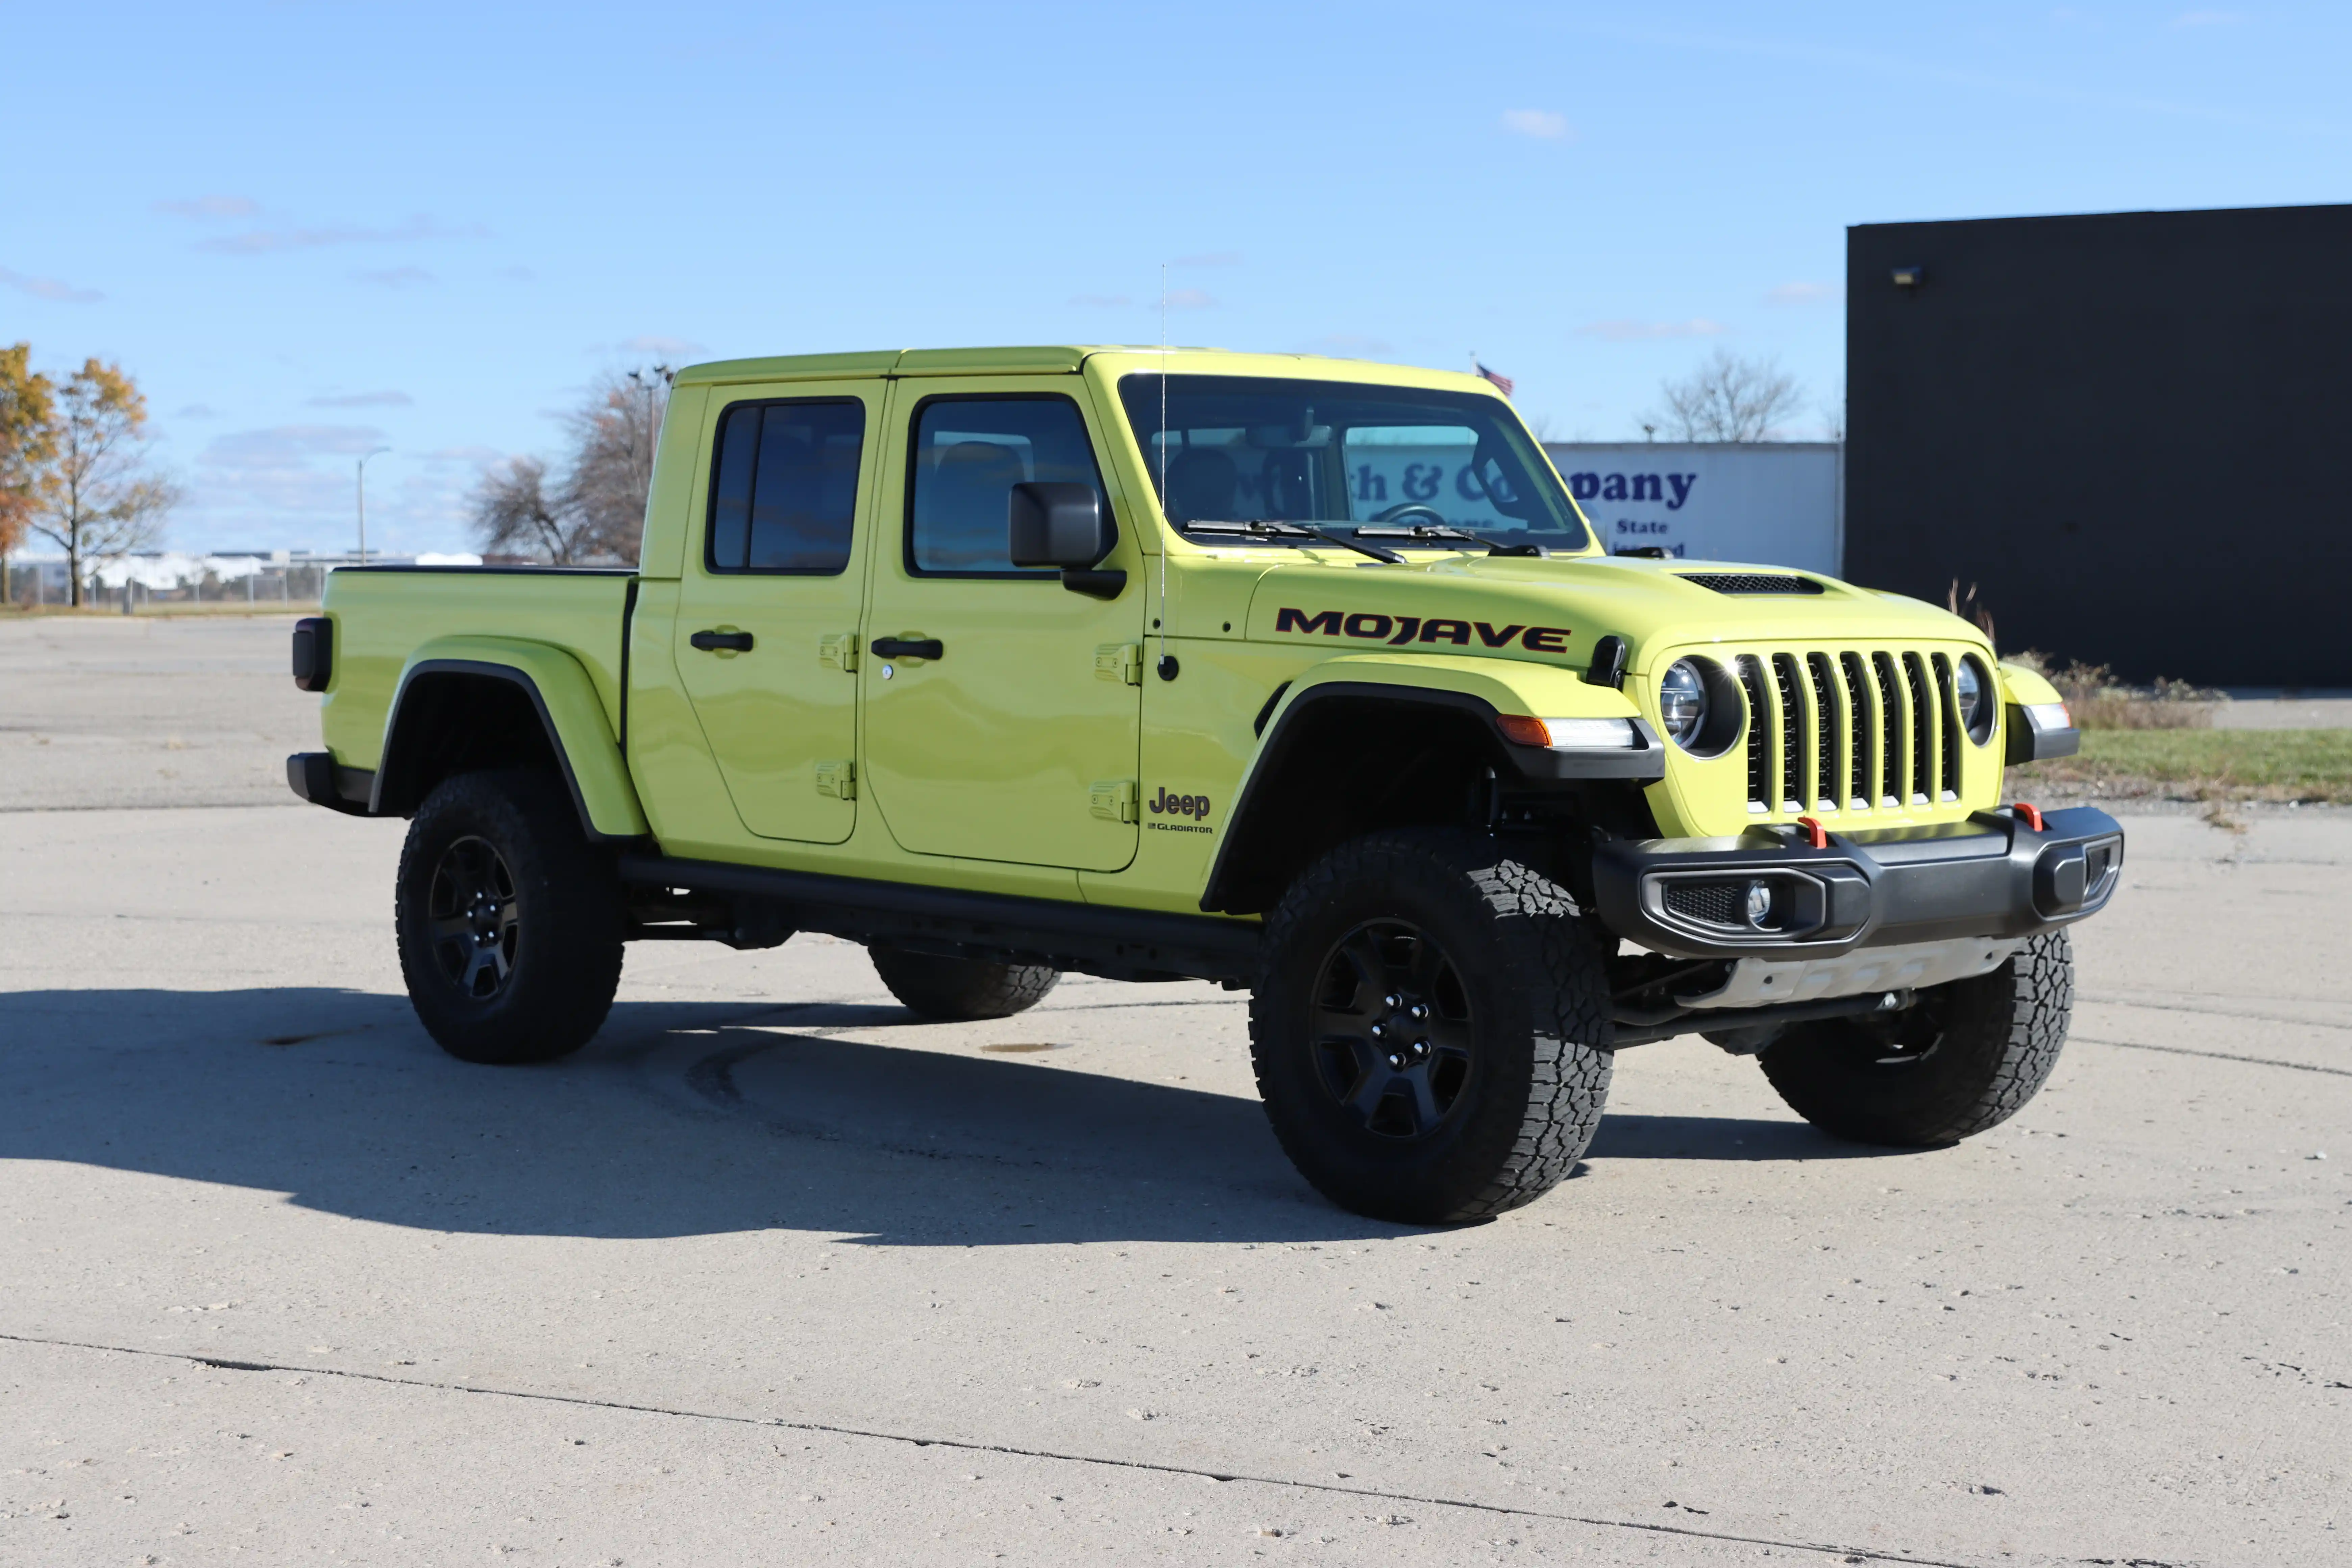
(26, 408)
(94, 493)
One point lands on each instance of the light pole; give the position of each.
(379, 452)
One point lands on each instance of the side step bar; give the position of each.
(1091, 939)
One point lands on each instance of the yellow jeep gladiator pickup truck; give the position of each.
(1302, 676)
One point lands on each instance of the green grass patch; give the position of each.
(2201, 764)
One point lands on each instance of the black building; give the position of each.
(2132, 432)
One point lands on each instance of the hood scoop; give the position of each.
(1751, 582)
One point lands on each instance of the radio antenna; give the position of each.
(1167, 665)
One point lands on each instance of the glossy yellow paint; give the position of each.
(977, 770)
(773, 717)
(381, 616)
(570, 701)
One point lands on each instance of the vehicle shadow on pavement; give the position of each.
(1636, 1137)
(679, 1120)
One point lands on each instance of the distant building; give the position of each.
(1771, 502)
(2127, 431)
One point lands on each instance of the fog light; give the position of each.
(1760, 904)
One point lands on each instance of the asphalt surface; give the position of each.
(772, 1273)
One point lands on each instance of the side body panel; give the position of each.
(780, 718)
(1019, 742)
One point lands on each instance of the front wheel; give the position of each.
(509, 919)
(1432, 1031)
(1966, 1057)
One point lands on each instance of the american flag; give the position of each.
(1502, 382)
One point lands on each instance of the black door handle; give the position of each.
(709, 642)
(908, 648)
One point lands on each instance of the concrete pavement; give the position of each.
(772, 1273)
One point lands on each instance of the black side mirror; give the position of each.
(1063, 525)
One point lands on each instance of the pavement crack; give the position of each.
(2105, 1000)
(1010, 1450)
(2214, 1056)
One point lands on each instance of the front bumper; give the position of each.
(1769, 894)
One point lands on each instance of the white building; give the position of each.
(1779, 504)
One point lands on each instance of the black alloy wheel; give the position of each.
(1430, 1027)
(475, 918)
(1393, 1035)
(510, 919)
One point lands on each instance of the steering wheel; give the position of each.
(1415, 513)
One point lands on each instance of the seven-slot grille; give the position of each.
(1849, 729)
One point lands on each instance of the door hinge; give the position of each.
(837, 651)
(838, 780)
(1119, 661)
(1113, 800)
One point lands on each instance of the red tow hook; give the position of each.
(1818, 837)
(2031, 813)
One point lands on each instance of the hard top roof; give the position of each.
(1056, 358)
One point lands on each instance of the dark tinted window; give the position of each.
(969, 453)
(784, 490)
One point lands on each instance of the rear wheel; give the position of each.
(960, 990)
(1432, 1032)
(1966, 1057)
(509, 919)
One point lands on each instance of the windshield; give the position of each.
(1383, 459)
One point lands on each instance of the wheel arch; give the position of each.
(1326, 769)
(471, 702)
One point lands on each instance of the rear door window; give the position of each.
(784, 494)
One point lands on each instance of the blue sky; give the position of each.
(311, 229)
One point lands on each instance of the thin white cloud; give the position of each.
(364, 400)
(1799, 294)
(51, 288)
(211, 206)
(197, 411)
(265, 241)
(396, 277)
(659, 346)
(276, 469)
(1105, 301)
(1210, 258)
(1190, 300)
(1639, 331)
(1543, 124)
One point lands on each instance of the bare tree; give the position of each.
(514, 515)
(94, 495)
(595, 509)
(1728, 399)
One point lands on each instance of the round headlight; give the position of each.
(1974, 688)
(1682, 701)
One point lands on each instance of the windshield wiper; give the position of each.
(1432, 530)
(1259, 528)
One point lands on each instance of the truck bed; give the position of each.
(382, 614)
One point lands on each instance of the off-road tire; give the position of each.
(561, 961)
(960, 990)
(1967, 1057)
(1536, 1020)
